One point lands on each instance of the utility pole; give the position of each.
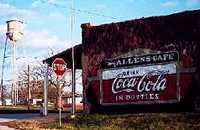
(46, 81)
(73, 63)
(29, 91)
(73, 84)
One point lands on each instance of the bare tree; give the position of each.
(29, 79)
(37, 74)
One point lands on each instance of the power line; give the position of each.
(78, 10)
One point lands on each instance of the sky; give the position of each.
(47, 22)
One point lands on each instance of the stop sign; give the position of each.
(59, 66)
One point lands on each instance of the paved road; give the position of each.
(12, 117)
(27, 116)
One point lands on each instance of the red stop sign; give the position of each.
(59, 66)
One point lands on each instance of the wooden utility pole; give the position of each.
(73, 63)
(29, 91)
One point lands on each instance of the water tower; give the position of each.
(14, 33)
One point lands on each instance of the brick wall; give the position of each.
(180, 32)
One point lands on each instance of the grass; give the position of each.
(24, 109)
(13, 108)
(141, 121)
(135, 121)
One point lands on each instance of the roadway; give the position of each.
(24, 116)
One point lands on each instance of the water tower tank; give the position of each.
(14, 29)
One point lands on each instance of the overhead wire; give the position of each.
(78, 10)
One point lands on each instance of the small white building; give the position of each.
(36, 101)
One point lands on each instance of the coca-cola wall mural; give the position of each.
(142, 79)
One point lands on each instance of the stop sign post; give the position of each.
(59, 67)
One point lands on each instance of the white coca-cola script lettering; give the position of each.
(154, 80)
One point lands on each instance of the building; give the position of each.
(142, 64)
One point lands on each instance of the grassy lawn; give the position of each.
(139, 121)
(19, 107)
(22, 109)
(13, 107)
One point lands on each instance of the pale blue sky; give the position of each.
(47, 22)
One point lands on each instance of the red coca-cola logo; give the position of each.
(153, 80)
